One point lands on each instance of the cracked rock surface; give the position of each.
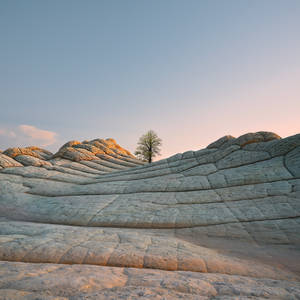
(93, 222)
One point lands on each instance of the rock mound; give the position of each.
(104, 155)
(14, 152)
(243, 140)
(7, 162)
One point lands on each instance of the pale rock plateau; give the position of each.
(93, 222)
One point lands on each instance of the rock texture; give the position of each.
(93, 222)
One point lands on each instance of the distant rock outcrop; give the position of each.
(93, 222)
(243, 140)
(99, 150)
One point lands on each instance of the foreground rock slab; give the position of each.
(38, 243)
(59, 281)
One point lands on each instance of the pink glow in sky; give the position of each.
(193, 71)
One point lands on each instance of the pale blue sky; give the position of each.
(191, 70)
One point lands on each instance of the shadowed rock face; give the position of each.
(93, 222)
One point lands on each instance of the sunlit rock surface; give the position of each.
(93, 222)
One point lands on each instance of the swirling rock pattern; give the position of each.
(93, 222)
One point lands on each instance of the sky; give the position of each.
(193, 71)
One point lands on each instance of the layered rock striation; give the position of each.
(93, 222)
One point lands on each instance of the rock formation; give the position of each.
(93, 222)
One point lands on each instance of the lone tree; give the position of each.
(148, 146)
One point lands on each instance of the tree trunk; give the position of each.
(150, 155)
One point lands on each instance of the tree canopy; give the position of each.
(148, 146)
